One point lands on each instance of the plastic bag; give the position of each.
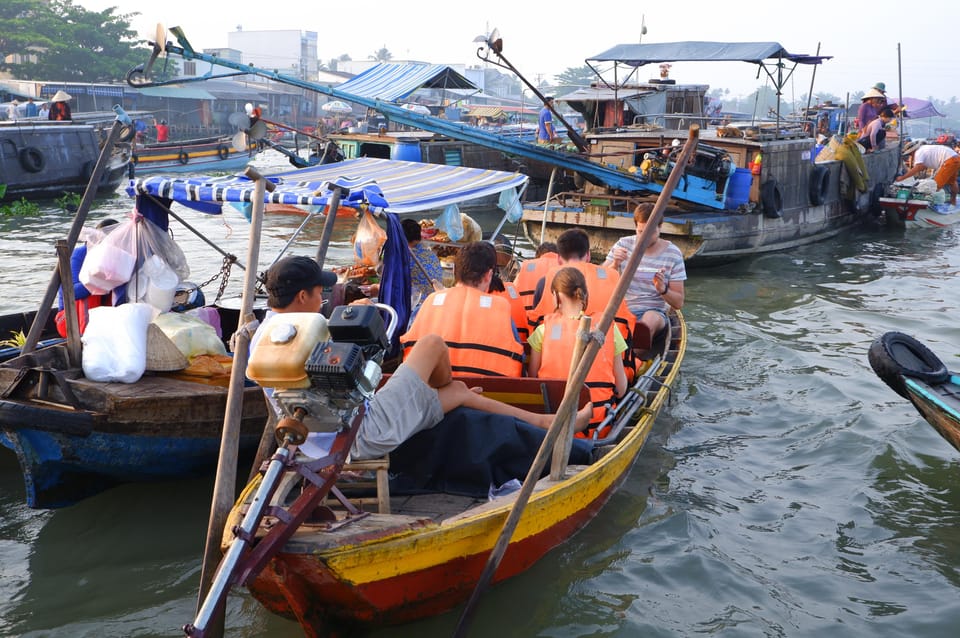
(368, 241)
(192, 335)
(510, 203)
(115, 343)
(155, 283)
(450, 222)
(111, 262)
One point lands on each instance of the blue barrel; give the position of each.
(738, 189)
(407, 150)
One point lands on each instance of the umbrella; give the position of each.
(416, 108)
(336, 106)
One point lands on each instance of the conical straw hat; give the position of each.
(61, 96)
(163, 355)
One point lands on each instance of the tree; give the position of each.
(62, 41)
(574, 78)
(383, 55)
(18, 35)
(334, 63)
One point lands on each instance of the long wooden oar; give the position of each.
(568, 404)
(225, 486)
(33, 335)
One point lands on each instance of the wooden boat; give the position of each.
(914, 372)
(422, 553)
(753, 187)
(74, 437)
(192, 155)
(45, 160)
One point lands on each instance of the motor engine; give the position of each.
(322, 370)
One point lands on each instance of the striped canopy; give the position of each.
(393, 81)
(388, 185)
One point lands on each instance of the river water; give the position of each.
(786, 491)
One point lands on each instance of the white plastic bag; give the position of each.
(155, 283)
(115, 343)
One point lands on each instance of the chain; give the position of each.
(224, 275)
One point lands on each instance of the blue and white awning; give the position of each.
(392, 81)
(388, 185)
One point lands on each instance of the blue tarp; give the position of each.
(406, 187)
(392, 81)
(641, 54)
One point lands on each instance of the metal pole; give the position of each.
(333, 204)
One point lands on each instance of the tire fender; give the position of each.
(819, 184)
(772, 199)
(32, 159)
(895, 355)
(223, 152)
(183, 157)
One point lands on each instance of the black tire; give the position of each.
(895, 355)
(772, 199)
(223, 152)
(127, 133)
(819, 184)
(32, 159)
(183, 157)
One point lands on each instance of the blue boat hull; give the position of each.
(62, 467)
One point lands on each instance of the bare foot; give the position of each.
(476, 390)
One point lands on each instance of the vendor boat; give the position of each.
(45, 160)
(754, 186)
(904, 207)
(218, 153)
(75, 437)
(914, 372)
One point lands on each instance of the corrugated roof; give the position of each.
(486, 111)
(602, 94)
(640, 54)
(393, 81)
(177, 91)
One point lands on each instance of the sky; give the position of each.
(542, 39)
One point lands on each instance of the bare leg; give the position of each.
(430, 358)
(653, 320)
(457, 394)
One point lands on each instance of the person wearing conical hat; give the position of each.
(59, 107)
(870, 104)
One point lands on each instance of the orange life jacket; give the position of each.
(531, 271)
(517, 312)
(476, 327)
(559, 341)
(601, 283)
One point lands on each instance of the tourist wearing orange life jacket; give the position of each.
(518, 313)
(533, 270)
(476, 325)
(573, 248)
(553, 342)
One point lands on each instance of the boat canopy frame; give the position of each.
(770, 57)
